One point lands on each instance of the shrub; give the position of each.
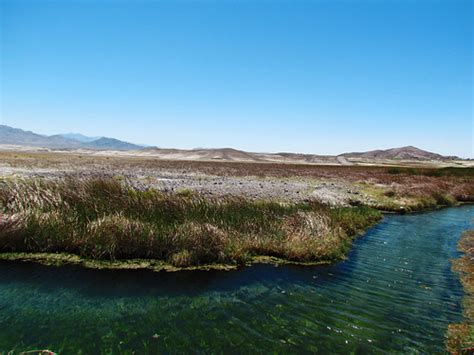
(433, 172)
(389, 193)
(443, 199)
(394, 170)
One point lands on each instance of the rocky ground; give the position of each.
(328, 191)
(386, 188)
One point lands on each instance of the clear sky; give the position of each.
(303, 76)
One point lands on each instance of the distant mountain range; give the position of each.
(16, 136)
(72, 141)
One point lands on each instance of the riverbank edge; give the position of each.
(61, 259)
(155, 265)
(424, 209)
(460, 336)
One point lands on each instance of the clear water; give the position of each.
(396, 293)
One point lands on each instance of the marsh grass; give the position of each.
(460, 337)
(107, 219)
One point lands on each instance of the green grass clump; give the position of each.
(106, 219)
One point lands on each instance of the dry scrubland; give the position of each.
(58, 207)
(461, 336)
(393, 188)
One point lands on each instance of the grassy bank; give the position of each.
(395, 199)
(421, 190)
(460, 337)
(106, 220)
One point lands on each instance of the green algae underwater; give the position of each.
(396, 292)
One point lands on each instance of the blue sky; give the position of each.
(304, 76)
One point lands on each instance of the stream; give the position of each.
(394, 293)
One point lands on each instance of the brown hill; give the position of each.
(402, 153)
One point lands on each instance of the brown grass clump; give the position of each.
(200, 243)
(460, 337)
(309, 235)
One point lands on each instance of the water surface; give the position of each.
(395, 293)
